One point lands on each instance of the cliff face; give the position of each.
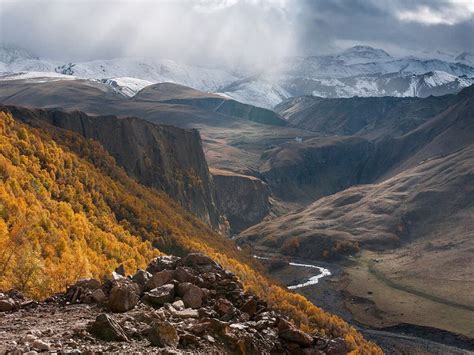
(316, 167)
(166, 157)
(243, 199)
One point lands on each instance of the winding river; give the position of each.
(323, 272)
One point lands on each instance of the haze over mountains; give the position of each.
(357, 71)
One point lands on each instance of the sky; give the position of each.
(237, 32)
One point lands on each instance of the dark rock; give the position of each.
(289, 332)
(7, 305)
(224, 306)
(184, 274)
(91, 284)
(159, 279)
(160, 295)
(161, 263)
(194, 259)
(98, 296)
(106, 328)
(141, 277)
(123, 296)
(163, 334)
(250, 307)
(120, 270)
(193, 297)
(182, 288)
(336, 347)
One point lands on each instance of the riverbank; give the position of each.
(336, 294)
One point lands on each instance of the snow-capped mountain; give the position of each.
(363, 54)
(257, 91)
(393, 84)
(13, 60)
(357, 71)
(465, 58)
(11, 54)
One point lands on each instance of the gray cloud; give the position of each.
(245, 32)
(385, 23)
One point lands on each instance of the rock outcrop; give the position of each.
(243, 199)
(166, 157)
(200, 308)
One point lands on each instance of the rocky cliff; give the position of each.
(166, 157)
(243, 199)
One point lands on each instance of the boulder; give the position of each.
(184, 274)
(141, 277)
(106, 328)
(98, 296)
(179, 305)
(186, 313)
(193, 297)
(163, 334)
(194, 259)
(182, 288)
(91, 284)
(250, 306)
(167, 262)
(123, 296)
(289, 332)
(159, 279)
(40, 345)
(7, 305)
(224, 306)
(120, 270)
(160, 295)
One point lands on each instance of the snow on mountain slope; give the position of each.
(13, 60)
(357, 71)
(155, 71)
(256, 91)
(330, 67)
(393, 84)
(127, 86)
(10, 54)
(465, 58)
(363, 54)
(37, 76)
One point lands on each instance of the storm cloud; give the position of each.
(245, 32)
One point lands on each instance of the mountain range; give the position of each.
(357, 71)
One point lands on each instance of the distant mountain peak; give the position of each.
(465, 57)
(366, 49)
(10, 53)
(364, 54)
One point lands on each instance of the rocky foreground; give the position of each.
(177, 305)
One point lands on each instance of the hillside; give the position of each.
(417, 226)
(365, 140)
(232, 138)
(182, 95)
(373, 117)
(74, 205)
(165, 157)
